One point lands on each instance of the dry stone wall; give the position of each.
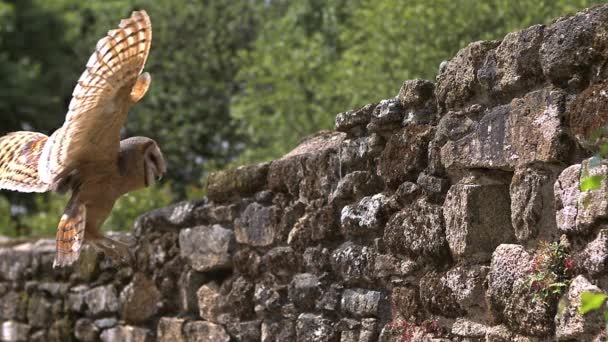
(430, 216)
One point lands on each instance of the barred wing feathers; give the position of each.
(19, 156)
(110, 85)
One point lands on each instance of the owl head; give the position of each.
(142, 159)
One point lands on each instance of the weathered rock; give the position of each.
(386, 117)
(13, 306)
(239, 182)
(406, 304)
(170, 329)
(477, 220)
(567, 192)
(318, 223)
(405, 154)
(527, 130)
(595, 255)
(467, 286)
(101, 300)
(353, 263)
(304, 290)
(434, 187)
(509, 294)
(247, 262)
(592, 205)
(437, 297)
(407, 192)
(140, 299)
(12, 331)
(198, 331)
(179, 215)
(273, 331)
(245, 331)
(282, 262)
(417, 98)
(570, 324)
(126, 333)
(457, 83)
(15, 262)
(330, 299)
(356, 185)
(572, 46)
(587, 114)
(514, 66)
(465, 328)
(353, 121)
(189, 283)
(308, 171)
(532, 203)
(231, 302)
(207, 248)
(316, 259)
(360, 153)
(389, 265)
(361, 302)
(86, 331)
(39, 311)
(313, 328)
(258, 225)
(367, 216)
(418, 231)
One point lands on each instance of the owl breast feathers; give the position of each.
(85, 155)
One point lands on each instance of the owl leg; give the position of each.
(118, 251)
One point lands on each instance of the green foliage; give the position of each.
(7, 226)
(552, 271)
(591, 301)
(590, 183)
(136, 203)
(43, 221)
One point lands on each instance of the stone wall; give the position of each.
(425, 217)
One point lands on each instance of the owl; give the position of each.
(85, 155)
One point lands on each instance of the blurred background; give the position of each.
(233, 82)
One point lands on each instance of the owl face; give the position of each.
(154, 163)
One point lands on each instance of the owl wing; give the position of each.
(70, 233)
(19, 155)
(111, 83)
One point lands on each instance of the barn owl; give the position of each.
(86, 155)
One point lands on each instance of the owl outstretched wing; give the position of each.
(19, 155)
(110, 85)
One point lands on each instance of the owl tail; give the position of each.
(70, 233)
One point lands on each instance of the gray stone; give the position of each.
(231, 302)
(207, 248)
(189, 283)
(570, 325)
(510, 265)
(86, 331)
(595, 255)
(140, 299)
(330, 299)
(76, 298)
(170, 329)
(417, 97)
(199, 331)
(477, 220)
(466, 328)
(282, 262)
(126, 333)
(406, 304)
(39, 311)
(353, 263)
(319, 223)
(467, 286)
(14, 263)
(258, 225)
(567, 192)
(365, 217)
(527, 130)
(437, 297)
(347, 121)
(359, 153)
(388, 265)
(101, 300)
(105, 323)
(304, 290)
(407, 193)
(418, 231)
(387, 116)
(514, 66)
(592, 205)
(245, 331)
(273, 331)
(572, 45)
(179, 215)
(238, 182)
(457, 83)
(356, 185)
(316, 259)
(532, 203)
(361, 302)
(314, 328)
(13, 306)
(12, 331)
